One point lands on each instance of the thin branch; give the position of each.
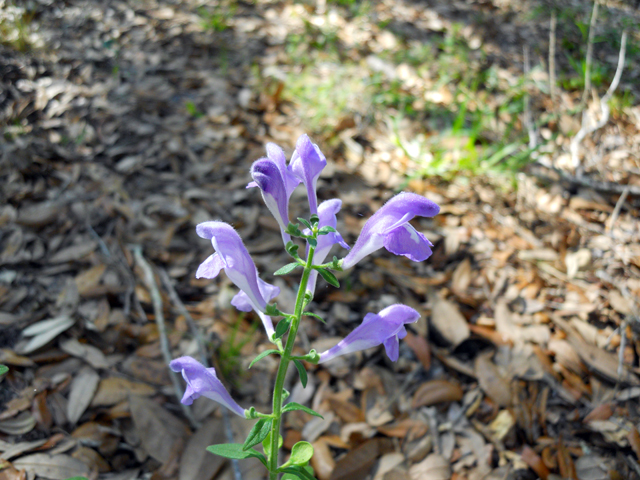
(588, 126)
(552, 57)
(156, 300)
(587, 68)
(528, 119)
(616, 210)
(202, 353)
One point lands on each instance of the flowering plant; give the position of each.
(389, 227)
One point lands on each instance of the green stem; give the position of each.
(284, 364)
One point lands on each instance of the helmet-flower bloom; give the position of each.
(202, 381)
(276, 183)
(386, 327)
(307, 162)
(327, 218)
(232, 255)
(389, 227)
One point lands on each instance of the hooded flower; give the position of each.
(276, 183)
(387, 327)
(389, 227)
(202, 381)
(307, 162)
(232, 255)
(327, 214)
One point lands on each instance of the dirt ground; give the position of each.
(126, 123)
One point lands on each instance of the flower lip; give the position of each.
(386, 327)
(389, 227)
(202, 381)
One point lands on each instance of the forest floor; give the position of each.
(126, 123)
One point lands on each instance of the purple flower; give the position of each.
(389, 227)
(202, 381)
(387, 327)
(327, 215)
(276, 183)
(307, 162)
(232, 255)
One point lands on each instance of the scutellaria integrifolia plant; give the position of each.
(389, 227)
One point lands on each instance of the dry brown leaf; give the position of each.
(347, 411)
(358, 462)
(565, 463)
(73, 252)
(55, 467)
(89, 279)
(161, 434)
(494, 385)
(18, 425)
(83, 387)
(408, 428)
(90, 354)
(601, 412)
(634, 441)
(436, 391)
(531, 458)
(387, 463)
(593, 467)
(195, 462)
(434, 467)
(448, 321)
(322, 460)
(420, 348)
(114, 390)
(461, 278)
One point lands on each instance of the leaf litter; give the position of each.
(142, 123)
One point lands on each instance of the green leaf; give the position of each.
(318, 317)
(258, 433)
(326, 230)
(305, 222)
(329, 277)
(288, 268)
(282, 327)
(301, 453)
(293, 229)
(235, 451)
(3, 369)
(290, 407)
(314, 219)
(262, 355)
(293, 473)
(312, 241)
(266, 444)
(301, 371)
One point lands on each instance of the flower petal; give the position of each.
(211, 267)
(398, 211)
(383, 328)
(307, 162)
(406, 240)
(202, 381)
(392, 347)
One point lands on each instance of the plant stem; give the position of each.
(284, 364)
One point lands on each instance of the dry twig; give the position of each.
(552, 56)
(589, 57)
(156, 300)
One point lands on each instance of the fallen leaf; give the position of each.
(45, 331)
(55, 467)
(447, 320)
(493, 384)
(322, 460)
(436, 391)
(195, 462)
(83, 387)
(434, 467)
(531, 458)
(114, 390)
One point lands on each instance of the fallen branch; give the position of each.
(604, 106)
(156, 300)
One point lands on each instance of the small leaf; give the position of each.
(266, 444)
(282, 327)
(235, 451)
(290, 407)
(303, 473)
(258, 433)
(314, 218)
(272, 310)
(329, 277)
(317, 317)
(305, 222)
(261, 356)
(312, 241)
(301, 371)
(290, 267)
(326, 230)
(293, 229)
(3, 369)
(301, 453)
